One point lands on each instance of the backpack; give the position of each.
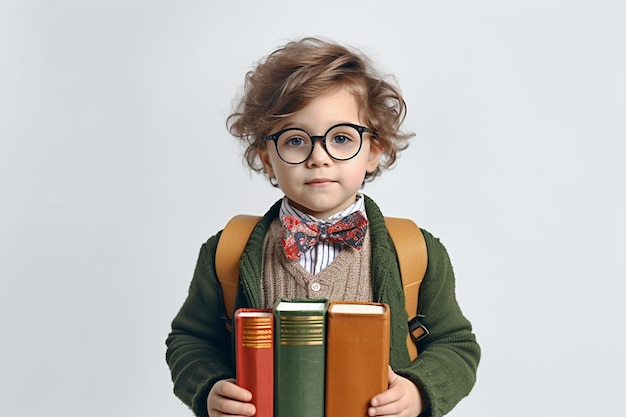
(407, 239)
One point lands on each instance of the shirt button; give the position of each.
(316, 286)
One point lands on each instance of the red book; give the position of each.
(254, 350)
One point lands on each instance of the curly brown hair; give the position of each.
(293, 75)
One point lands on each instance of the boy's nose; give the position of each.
(319, 156)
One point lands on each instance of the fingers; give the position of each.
(402, 398)
(228, 388)
(228, 399)
(393, 409)
(390, 395)
(386, 403)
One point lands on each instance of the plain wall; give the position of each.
(115, 166)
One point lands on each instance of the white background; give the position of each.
(115, 166)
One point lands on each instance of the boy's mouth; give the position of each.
(319, 181)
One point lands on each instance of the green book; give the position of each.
(300, 357)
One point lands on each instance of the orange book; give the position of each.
(254, 356)
(357, 356)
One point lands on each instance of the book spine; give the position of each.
(300, 350)
(357, 360)
(254, 350)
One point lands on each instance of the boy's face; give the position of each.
(322, 186)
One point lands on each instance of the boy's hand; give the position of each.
(228, 399)
(402, 399)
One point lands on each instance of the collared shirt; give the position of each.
(322, 254)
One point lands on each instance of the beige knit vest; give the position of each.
(347, 278)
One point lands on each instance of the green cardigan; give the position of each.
(199, 347)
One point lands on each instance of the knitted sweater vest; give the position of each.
(346, 278)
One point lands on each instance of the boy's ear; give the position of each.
(373, 158)
(267, 165)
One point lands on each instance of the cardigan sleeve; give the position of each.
(199, 345)
(445, 369)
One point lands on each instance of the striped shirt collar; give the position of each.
(286, 209)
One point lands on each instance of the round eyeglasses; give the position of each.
(342, 142)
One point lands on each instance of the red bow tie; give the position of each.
(299, 236)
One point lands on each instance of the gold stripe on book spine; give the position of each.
(257, 333)
(302, 330)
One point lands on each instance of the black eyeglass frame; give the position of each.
(361, 129)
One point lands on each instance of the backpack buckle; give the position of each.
(417, 330)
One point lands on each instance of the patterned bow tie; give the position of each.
(299, 236)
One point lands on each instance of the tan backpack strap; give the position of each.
(232, 242)
(413, 261)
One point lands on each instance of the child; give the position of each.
(319, 122)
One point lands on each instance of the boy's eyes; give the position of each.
(300, 140)
(297, 141)
(339, 139)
